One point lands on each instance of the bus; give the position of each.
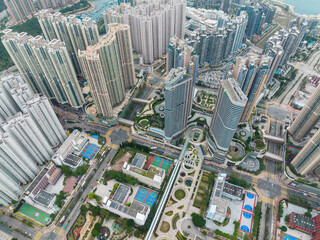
(62, 219)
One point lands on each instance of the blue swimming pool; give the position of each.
(156, 130)
(289, 237)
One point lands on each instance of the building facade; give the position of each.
(307, 118)
(109, 69)
(230, 104)
(45, 66)
(152, 24)
(309, 157)
(178, 102)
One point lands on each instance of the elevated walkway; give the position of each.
(140, 100)
(126, 122)
(273, 138)
(273, 156)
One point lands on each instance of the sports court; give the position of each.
(146, 196)
(249, 201)
(158, 162)
(35, 213)
(90, 151)
(246, 221)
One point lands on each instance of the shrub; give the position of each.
(197, 220)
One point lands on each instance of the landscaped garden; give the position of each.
(179, 194)
(202, 197)
(165, 227)
(74, 233)
(259, 144)
(205, 100)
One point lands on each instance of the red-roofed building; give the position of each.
(302, 223)
(316, 234)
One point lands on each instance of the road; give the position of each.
(271, 187)
(304, 69)
(18, 225)
(71, 218)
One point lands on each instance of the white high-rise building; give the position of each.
(27, 134)
(45, 66)
(13, 93)
(152, 24)
(41, 111)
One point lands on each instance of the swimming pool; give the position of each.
(156, 130)
(289, 237)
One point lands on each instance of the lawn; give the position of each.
(144, 122)
(165, 227)
(179, 194)
(259, 144)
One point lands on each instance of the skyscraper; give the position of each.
(227, 113)
(108, 66)
(225, 5)
(205, 3)
(63, 65)
(20, 10)
(257, 83)
(180, 54)
(39, 108)
(27, 136)
(151, 24)
(178, 102)
(309, 156)
(46, 67)
(13, 93)
(241, 22)
(76, 33)
(307, 118)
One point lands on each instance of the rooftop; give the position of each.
(121, 193)
(232, 189)
(72, 160)
(138, 160)
(44, 198)
(303, 221)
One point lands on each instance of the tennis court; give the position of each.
(28, 210)
(34, 213)
(90, 151)
(166, 165)
(157, 161)
(146, 196)
(41, 217)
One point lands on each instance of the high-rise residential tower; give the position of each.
(256, 84)
(108, 67)
(307, 118)
(151, 23)
(180, 54)
(178, 102)
(309, 156)
(76, 33)
(227, 113)
(20, 10)
(45, 66)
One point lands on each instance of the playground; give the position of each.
(159, 162)
(146, 196)
(90, 151)
(35, 213)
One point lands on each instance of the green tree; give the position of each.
(287, 218)
(66, 170)
(198, 220)
(94, 232)
(60, 198)
(308, 214)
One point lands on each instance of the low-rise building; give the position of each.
(302, 223)
(137, 211)
(45, 199)
(75, 142)
(153, 176)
